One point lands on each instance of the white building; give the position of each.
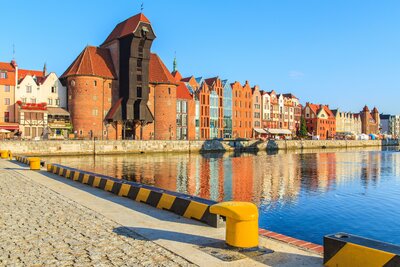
(47, 89)
(390, 124)
(41, 106)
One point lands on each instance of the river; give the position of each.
(301, 194)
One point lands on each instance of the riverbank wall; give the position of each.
(106, 147)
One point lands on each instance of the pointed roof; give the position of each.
(92, 61)
(126, 27)
(177, 75)
(366, 109)
(158, 72)
(375, 110)
(6, 66)
(182, 91)
(211, 81)
(23, 73)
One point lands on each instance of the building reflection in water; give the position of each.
(261, 178)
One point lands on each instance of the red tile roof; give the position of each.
(158, 72)
(93, 61)
(6, 66)
(177, 75)
(10, 80)
(182, 92)
(316, 108)
(126, 27)
(22, 73)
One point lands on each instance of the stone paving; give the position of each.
(39, 227)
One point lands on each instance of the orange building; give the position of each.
(241, 110)
(320, 121)
(256, 109)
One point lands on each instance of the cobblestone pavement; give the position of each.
(39, 227)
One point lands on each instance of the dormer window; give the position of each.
(3, 75)
(145, 31)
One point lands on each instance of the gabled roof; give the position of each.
(290, 95)
(317, 108)
(158, 72)
(211, 81)
(6, 66)
(22, 73)
(182, 91)
(92, 61)
(177, 75)
(126, 27)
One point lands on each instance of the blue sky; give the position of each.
(345, 53)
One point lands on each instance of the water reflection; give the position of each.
(244, 177)
(303, 194)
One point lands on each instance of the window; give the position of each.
(6, 116)
(6, 101)
(184, 107)
(109, 85)
(94, 98)
(33, 100)
(24, 100)
(3, 75)
(95, 112)
(178, 106)
(6, 88)
(169, 90)
(139, 91)
(57, 102)
(95, 83)
(53, 89)
(50, 101)
(29, 88)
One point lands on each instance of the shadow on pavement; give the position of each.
(216, 248)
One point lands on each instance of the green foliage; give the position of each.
(303, 128)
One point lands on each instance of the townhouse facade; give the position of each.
(347, 122)
(320, 121)
(390, 124)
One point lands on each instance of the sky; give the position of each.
(345, 53)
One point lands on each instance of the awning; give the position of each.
(9, 126)
(261, 131)
(57, 111)
(279, 131)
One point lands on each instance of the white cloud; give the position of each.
(295, 74)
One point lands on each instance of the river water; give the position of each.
(301, 194)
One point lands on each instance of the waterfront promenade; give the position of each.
(110, 147)
(48, 220)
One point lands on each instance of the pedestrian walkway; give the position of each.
(40, 227)
(47, 220)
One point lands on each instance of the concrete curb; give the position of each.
(184, 205)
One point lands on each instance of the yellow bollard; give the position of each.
(4, 154)
(241, 223)
(34, 163)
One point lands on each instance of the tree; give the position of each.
(303, 128)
